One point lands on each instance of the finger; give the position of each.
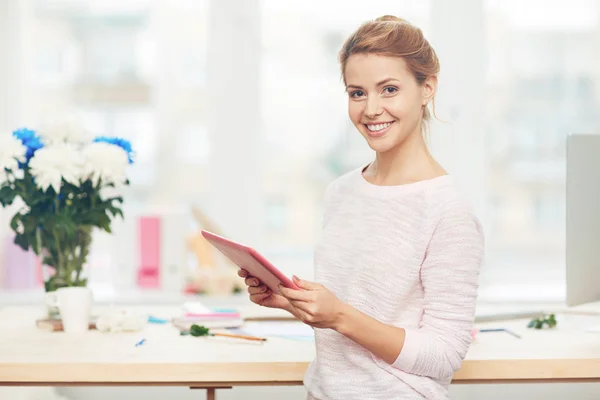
(242, 273)
(303, 284)
(257, 289)
(303, 306)
(259, 297)
(292, 294)
(252, 281)
(303, 316)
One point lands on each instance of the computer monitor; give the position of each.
(583, 219)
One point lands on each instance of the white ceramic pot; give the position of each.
(75, 307)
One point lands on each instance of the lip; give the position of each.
(380, 133)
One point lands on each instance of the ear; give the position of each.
(428, 89)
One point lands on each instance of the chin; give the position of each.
(382, 144)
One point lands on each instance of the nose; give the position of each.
(373, 107)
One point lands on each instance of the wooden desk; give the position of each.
(30, 356)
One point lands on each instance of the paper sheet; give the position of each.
(286, 329)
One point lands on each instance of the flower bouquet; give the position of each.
(63, 184)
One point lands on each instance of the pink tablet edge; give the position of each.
(253, 253)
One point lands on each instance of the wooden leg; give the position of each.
(210, 393)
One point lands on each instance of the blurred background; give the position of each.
(237, 113)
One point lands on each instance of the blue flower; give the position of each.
(122, 143)
(31, 140)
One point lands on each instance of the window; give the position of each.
(546, 86)
(277, 215)
(516, 78)
(49, 66)
(549, 212)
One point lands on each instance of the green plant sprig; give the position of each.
(540, 322)
(197, 330)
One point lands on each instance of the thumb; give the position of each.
(303, 284)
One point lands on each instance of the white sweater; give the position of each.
(408, 256)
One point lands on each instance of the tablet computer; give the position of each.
(251, 260)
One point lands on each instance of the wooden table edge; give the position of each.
(226, 384)
(278, 373)
(531, 370)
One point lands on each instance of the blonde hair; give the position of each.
(392, 36)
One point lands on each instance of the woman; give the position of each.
(397, 267)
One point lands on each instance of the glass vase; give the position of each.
(64, 257)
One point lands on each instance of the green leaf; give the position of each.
(538, 324)
(22, 241)
(14, 221)
(80, 283)
(49, 261)
(7, 195)
(30, 223)
(104, 222)
(33, 242)
(114, 211)
(198, 330)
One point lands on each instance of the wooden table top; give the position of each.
(31, 356)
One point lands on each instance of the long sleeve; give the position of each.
(450, 276)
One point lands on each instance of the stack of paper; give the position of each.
(212, 318)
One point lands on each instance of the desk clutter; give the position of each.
(115, 320)
(194, 319)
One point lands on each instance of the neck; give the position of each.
(408, 162)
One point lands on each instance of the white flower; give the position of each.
(12, 151)
(51, 164)
(105, 161)
(65, 130)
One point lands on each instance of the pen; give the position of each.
(229, 335)
(232, 335)
(141, 342)
(501, 330)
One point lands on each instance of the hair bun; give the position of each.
(391, 18)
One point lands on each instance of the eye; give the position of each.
(357, 93)
(390, 90)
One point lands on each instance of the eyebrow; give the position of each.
(380, 83)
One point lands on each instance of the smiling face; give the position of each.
(385, 101)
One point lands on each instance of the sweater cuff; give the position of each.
(410, 351)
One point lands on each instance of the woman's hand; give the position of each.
(314, 304)
(260, 294)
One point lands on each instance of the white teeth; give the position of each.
(378, 127)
